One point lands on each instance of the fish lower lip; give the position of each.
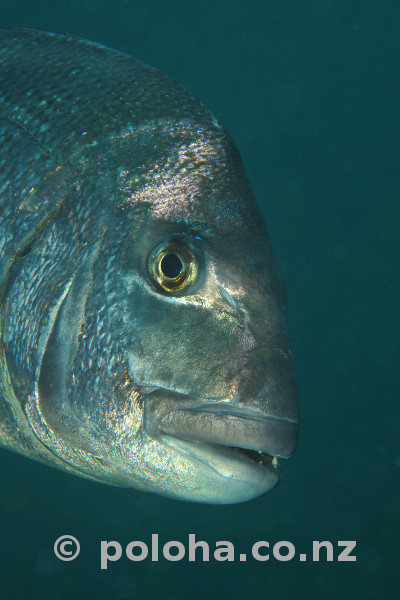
(229, 461)
(255, 456)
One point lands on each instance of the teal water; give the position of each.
(310, 93)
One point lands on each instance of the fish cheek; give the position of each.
(182, 346)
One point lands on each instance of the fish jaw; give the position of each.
(233, 451)
(223, 474)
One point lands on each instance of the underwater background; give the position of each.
(310, 92)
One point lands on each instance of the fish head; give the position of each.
(168, 366)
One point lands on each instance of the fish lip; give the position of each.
(252, 414)
(253, 455)
(272, 435)
(227, 463)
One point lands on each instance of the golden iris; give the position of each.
(173, 266)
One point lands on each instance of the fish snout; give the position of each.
(267, 386)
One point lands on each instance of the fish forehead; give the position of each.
(194, 177)
(111, 116)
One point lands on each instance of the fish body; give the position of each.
(143, 324)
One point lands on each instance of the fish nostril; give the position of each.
(236, 305)
(225, 295)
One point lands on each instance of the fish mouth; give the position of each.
(253, 458)
(236, 442)
(246, 474)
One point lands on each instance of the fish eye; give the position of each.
(173, 266)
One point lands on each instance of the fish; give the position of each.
(143, 316)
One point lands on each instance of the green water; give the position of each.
(310, 92)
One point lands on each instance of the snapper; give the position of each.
(143, 327)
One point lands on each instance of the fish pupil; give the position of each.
(171, 265)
